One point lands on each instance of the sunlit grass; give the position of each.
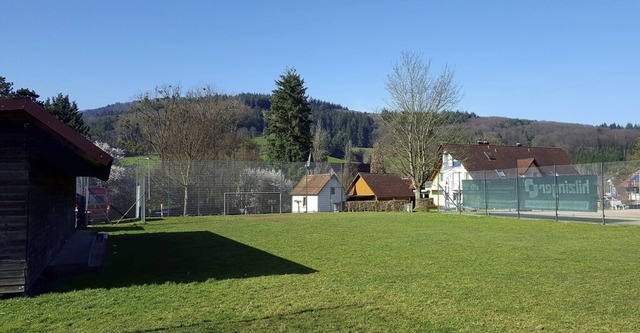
(373, 272)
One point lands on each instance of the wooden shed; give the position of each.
(379, 187)
(40, 158)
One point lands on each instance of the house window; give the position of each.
(333, 190)
(490, 155)
(501, 174)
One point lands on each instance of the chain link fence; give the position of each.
(601, 192)
(172, 188)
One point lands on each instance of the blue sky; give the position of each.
(568, 61)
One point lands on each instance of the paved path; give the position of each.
(85, 248)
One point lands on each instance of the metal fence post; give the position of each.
(604, 221)
(517, 196)
(556, 192)
(486, 200)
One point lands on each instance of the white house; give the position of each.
(461, 162)
(317, 193)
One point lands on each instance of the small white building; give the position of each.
(317, 193)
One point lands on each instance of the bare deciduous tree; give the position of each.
(320, 143)
(635, 154)
(378, 163)
(199, 125)
(413, 122)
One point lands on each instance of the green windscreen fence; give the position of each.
(565, 193)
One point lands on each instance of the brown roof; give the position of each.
(478, 157)
(311, 184)
(384, 185)
(524, 164)
(69, 151)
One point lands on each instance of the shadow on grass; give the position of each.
(180, 257)
(117, 227)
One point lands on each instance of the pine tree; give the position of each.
(6, 88)
(67, 112)
(288, 122)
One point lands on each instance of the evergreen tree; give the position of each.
(6, 88)
(288, 122)
(67, 112)
(28, 93)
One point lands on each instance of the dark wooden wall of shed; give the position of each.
(36, 208)
(51, 210)
(51, 217)
(14, 184)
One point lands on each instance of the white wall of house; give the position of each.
(446, 188)
(300, 205)
(328, 200)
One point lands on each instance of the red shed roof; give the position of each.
(92, 161)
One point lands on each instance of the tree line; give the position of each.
(340, 123)
(583, 143)
(59, 106)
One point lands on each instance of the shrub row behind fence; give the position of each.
(378, 206)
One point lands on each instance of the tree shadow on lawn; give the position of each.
(180, 257)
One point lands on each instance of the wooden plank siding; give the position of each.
(40, 158)
(13, 225)
(51, 217)
(12, 276)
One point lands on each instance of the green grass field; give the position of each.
(348, 272)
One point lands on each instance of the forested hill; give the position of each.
(584, 143)
(340, 123)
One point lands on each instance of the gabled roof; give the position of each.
(383, 185)
(69, 150)
(312, 184)
(478, 157)
(525, 163)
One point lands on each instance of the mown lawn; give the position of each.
(369, 272)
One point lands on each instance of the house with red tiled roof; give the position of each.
(486, 161)
(378, 187)
(317, 193)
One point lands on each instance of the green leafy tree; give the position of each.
(67, 111)
(288, 122)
